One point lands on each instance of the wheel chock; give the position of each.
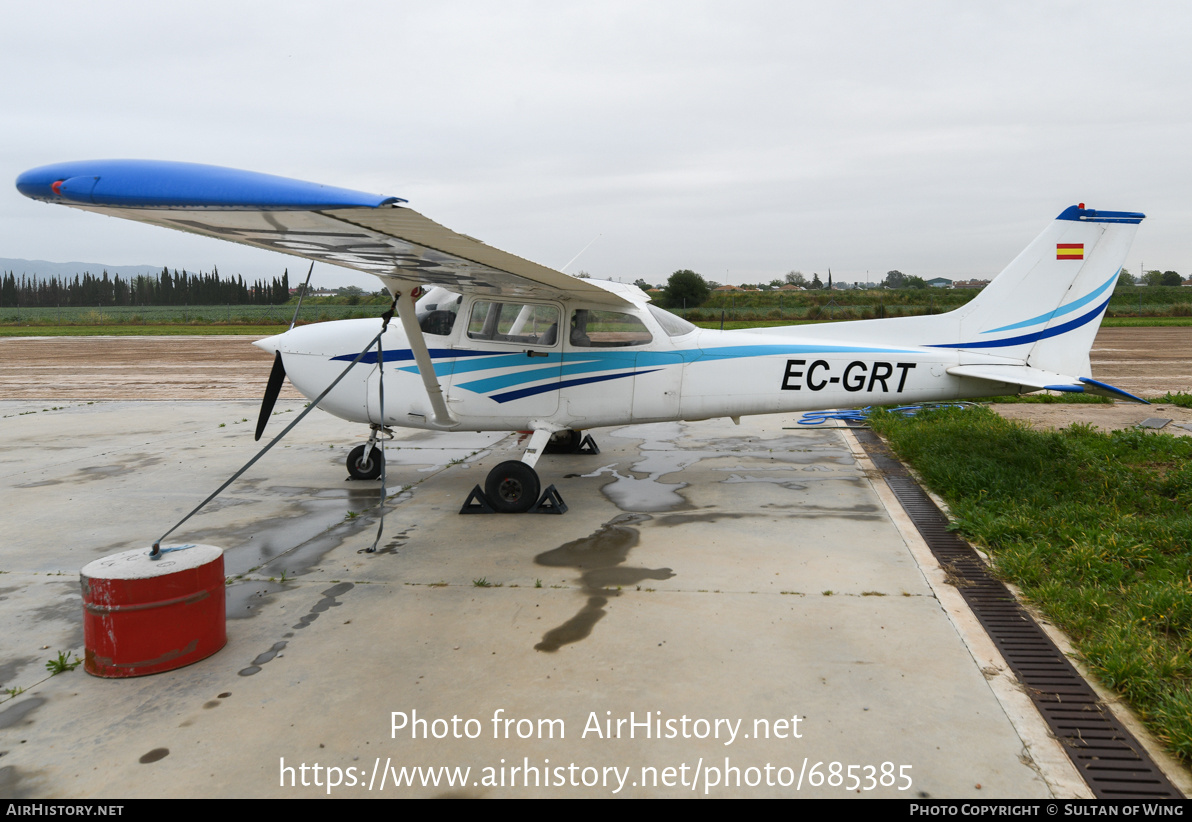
(477, 503)
(550, 503)
(588, 446)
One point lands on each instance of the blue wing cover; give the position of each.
(170, 185)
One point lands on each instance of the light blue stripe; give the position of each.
(489, 363)
(527, 375)
(536, 368)
(1062, 310)
(1022, 339)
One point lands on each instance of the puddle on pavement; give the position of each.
(131, 464)
(798, 511)
(18, 713)
(647, 495)
(245, 599)
(660, 455)
(599, 558)
(15, 784)
(329, 599)
(154, 755)
(304, 535)
(11, 666)
(261, 659)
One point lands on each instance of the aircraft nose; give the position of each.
(270, 344)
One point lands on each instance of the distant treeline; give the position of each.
(1127, 301)
(165, 289)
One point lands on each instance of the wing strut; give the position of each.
(426, 369)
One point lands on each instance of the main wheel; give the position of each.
(564, 442)
(371, 470)
(512, 487)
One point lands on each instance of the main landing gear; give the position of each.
(513, 486)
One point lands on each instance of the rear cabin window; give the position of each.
(520, 323)
(607, 329)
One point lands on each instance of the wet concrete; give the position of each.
(748, 574)
(599, 559)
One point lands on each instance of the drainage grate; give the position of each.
(1110, 759)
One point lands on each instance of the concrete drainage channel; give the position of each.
(1108, 757)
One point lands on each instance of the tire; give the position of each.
(512, 487)
(370, 470)
(564, 442)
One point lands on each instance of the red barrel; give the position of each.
(144, 616)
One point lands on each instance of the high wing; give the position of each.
(347, 228)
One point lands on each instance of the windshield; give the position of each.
(672, 325)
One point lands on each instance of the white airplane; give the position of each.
(499, 343)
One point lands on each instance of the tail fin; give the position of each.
(1045, 308)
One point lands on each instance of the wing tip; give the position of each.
(159, 184)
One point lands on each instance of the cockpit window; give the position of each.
(522, 323)
(592, 328)
(672, 325)
(437, 310)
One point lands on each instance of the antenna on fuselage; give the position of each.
(581, 251)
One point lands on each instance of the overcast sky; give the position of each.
(741, 140)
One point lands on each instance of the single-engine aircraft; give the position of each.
(498, 343)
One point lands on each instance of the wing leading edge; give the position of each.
(365, 232)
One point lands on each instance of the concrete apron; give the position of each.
(725, 611)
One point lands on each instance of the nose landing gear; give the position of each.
(366, 462)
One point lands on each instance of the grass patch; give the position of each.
(1182, 400)
(1145, 322)
(63, 663)
(1093, 527)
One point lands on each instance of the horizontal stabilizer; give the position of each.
(1107, 390)
(1036, 379)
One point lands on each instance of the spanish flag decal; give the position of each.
(1069, 251)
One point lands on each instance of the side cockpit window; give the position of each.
(437, 311)
(593, 328)
(520, 323)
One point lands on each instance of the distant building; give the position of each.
(939, 282)
(970, 283)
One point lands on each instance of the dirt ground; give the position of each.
(134, 368)
(1143, 361)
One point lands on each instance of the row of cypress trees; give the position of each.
(178, 288)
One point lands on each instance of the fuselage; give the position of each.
(510, 364)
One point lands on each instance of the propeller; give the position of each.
(276, 377)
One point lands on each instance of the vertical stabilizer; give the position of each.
(1045, 308)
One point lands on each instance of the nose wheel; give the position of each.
(367, 462)
(361, 467)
